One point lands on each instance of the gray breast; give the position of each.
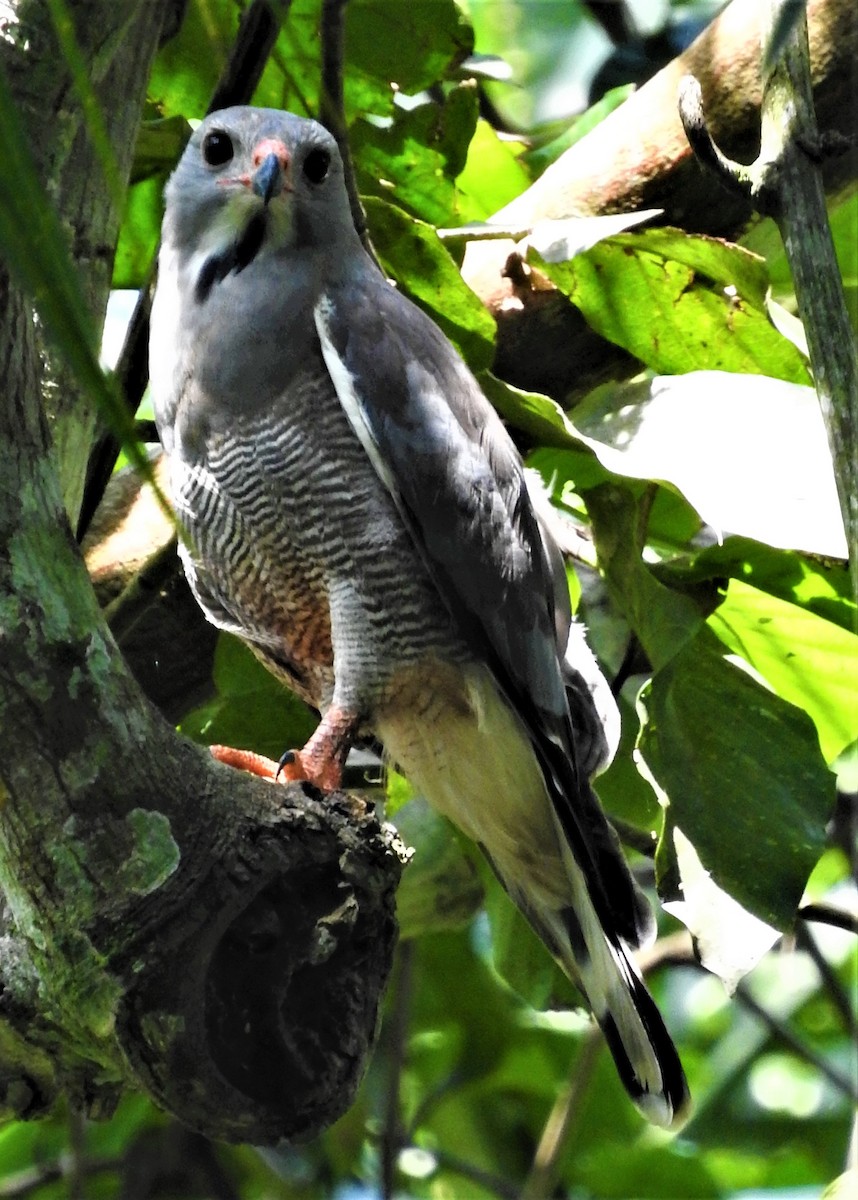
(281, 504)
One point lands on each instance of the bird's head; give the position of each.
(254, 178)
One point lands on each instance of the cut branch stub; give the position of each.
(254, 1019)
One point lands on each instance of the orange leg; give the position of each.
(245, 760)
(320, 762)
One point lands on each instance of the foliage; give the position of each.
(734, 729)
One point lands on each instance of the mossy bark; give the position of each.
(170, 925)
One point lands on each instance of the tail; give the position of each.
(597, 962)
(516, 793)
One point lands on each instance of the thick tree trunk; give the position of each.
(170, 924)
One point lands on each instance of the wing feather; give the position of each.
(443, 454)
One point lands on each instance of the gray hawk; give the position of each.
(354, 509)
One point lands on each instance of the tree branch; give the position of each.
(784, 1036)
(827, 914)
(542, 1178)
(391, 1133)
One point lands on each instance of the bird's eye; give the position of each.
(316, 165)
(217, 148)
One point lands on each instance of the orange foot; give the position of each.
(320, 762)
(245, 760)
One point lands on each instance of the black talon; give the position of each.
(285, 759)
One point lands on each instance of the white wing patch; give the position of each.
(347, 393)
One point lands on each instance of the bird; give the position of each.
(354, 509)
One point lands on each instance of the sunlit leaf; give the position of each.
(541, 156)
(138, 236)
(749, 453)
(390, 46)
(561, 239)
(843, 1186)
(411, 252)
(820, 587)
(492, 175)
(679, 303)
(531, 412)
(806, 659)
(187, 67)
(413, 161)
(728, 939)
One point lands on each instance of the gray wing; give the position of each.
(458, 482)
(455, 475)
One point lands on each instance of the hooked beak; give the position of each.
(268, 178)
(270, 162)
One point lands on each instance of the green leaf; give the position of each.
(678, 302)
(253, 710)
(743, 773)
(159, 146)
(533, 413)
(806, 659)
(409, 45)
(440, 888)
(413, 254)
(519, 956)
(820, 587)
(139, 233)
(390, 46)
(749, 453)
(622, 790)
(544, 155)
(188, 66)
(492, 176)
(664, 620)
(414, 161)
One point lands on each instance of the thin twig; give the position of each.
(635, 837)
(835, 989)
(332, 108)
(431, 1099)
(827, 914)
(33, 1179)
(76, 1167)
(561, 1120)
(485, 1179)
(629, 666)
(391, 1134)
(791, 177)
(781, 1033)
(257, 33)
(674, 949)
